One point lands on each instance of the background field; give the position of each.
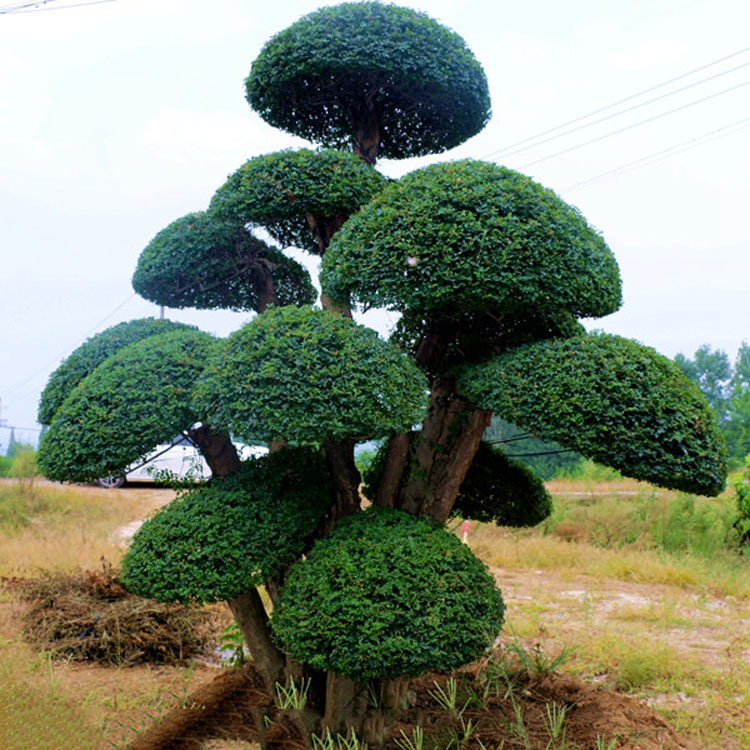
(645, 590)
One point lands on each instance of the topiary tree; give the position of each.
(490, 272)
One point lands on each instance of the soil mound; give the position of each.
(513, 714)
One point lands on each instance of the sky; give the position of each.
(118, 117)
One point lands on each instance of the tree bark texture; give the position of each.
(442, 452)
(323, 229)
(346, 480)
(251, 617)
(218, 450)
(396, 456)
(265, 289)
(367, 137)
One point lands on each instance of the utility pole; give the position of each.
(2, 421)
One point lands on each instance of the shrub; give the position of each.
(221, 539)
(502, 491)
(387, 594)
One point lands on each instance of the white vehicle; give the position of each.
(179, 459)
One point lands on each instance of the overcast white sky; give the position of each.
(119, 117)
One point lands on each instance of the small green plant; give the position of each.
(53, 680)
(293, 695)
(413, 742)
(327, 742)
(535, 660)
(447, 697)
(232, 643)
(742, 522)
(600, 743)
(23, 468)
(554, 722)
(517, 726)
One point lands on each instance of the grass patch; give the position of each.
(644, 536)
(55, 527)
(37, 714)
(633, 664)
(50, 704)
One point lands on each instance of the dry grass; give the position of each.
(67, 527)
(672, 629)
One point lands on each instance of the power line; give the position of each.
(665, 153)
(15, 8)
(42, 5)
(540, 453)
(636, 124)
(624, 111)
(515, 438)
(23, 429)
(617, 103)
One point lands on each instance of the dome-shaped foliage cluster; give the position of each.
(137, 398)
(393, 69)
(201, 261)
(472, 236)
(308, 376)
(89, 355)
(280, 191)
(612, 400)
(498, 490)
(221, 539)
(387, 594)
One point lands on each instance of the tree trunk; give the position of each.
(346, 705)
(251, 617)
(366, 141)
(450, 468)
(397, 454)
(346, 480)
(323, 229)
(443, 452)
(218, 450)
(265, 289)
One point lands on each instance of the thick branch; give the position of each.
(323, 229)
(218, 450)
(366, 140)
(443, 452)
(264, 287)
(346, 479)
(449, 469)
(251, 617)
(396, 456)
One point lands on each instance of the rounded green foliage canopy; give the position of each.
(502, 491)
(280, 191)
(205, 262)
(472, 236)
(137, 398)
(370, 66)
(309, 376)
(219, 540)
(89, 355)
(387, 594)
(612, 400)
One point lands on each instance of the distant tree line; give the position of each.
(726, 387)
